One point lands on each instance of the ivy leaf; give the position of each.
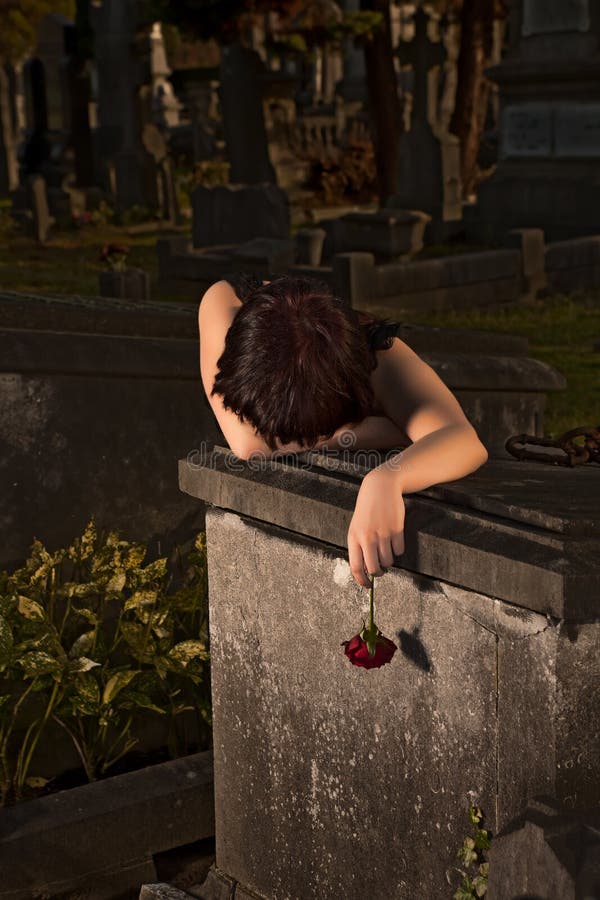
(482, 841)
(475, 815)
(30, 608)
(116, 683)
(480, 885)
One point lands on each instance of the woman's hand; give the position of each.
(376, 532)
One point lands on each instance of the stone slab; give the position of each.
(356, 784)
(161, 891)
(79, 413)
(115, 823)
(337, 796)
(514, 530)
(97, 315)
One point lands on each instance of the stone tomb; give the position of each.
(333, 781)
(549, 85)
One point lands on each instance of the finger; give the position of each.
(398, 543)
(357, 564)
(371, 556)
(386, 554)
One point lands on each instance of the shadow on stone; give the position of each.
(412, 646)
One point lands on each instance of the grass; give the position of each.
(561, 329)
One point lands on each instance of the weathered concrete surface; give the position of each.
(351, 786)
(524, 532)
(95, 423)
(100, 838)
(356, 784)
(333, 781)
(547, 852)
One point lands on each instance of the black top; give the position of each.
(380, 333)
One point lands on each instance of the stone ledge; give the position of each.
(116, 825)
(539, 553)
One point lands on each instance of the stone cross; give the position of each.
(423, 55)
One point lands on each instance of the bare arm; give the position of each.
(445, 447)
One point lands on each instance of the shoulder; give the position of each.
(219, 302)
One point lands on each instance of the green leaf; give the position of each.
(82, 644)
(39, 663)
(116, 683)
(140, 599)
(6, 642)
(480, 885)
(82, 664)
(30, 609)
(36, 781)
(91, 617)
(86, 695)
(138, 698)
(482, 841)
(187, 651)
(475, 815)
(116, 583)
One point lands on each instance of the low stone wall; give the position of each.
(573, 265)
(332, 781)
(460, 281)
(93, 423)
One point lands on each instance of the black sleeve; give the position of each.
(242, 283)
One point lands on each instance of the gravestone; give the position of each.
(79, 95)
(243, 119)
(123, 52)
(51, 47)
(9, 172)
(36, 149)
(234, 213)
(549, 85)
(429, 164)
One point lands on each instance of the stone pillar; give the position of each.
(124, 101)
(549, 92)
(332, 781)
(9, 172)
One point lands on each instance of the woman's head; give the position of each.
(296, 363)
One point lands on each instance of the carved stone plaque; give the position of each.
(527, 130)
(577, 129)
(550, 16)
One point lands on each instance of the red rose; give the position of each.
(357, 651)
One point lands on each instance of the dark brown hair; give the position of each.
(296, 363)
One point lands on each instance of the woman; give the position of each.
(287, 366)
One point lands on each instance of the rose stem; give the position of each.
(371, 623)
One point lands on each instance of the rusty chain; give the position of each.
(575, 454)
